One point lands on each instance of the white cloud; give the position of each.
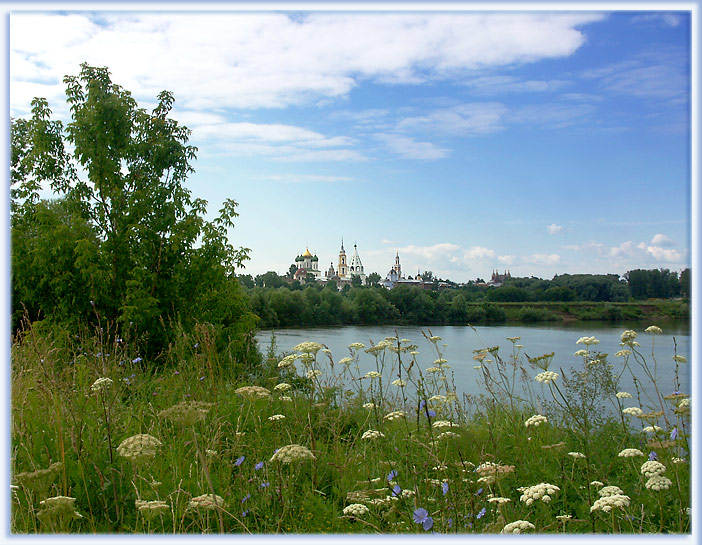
(409, 148)
(272, 60)
(542, 259)
(554, 229)
(506, 259)
(464, 119)
(666, 256)
(430, 252)
(662, 240)
(500, 84)
(478, 253)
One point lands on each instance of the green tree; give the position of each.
(155, 260)
(292, 270)
(373, 280)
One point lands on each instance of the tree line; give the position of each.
(282, 303)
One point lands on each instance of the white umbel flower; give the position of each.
(608, 503)
(629, 452)
(372, 434)
(659, 482)
(541, 491)
(546, 377)
(292, 453)
(652, 468)
(535, 420)
(356, 510)
(517, 527)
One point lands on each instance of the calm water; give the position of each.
(458, 343)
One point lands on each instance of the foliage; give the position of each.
(126, 246)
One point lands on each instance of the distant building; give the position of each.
(308, 264)
(498, 279)
(394, 278)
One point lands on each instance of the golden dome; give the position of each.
(307, 253)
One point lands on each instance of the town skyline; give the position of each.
(543, 142)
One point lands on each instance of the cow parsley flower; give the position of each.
(151, 509)
(610, 490)
(659, 482)
(276, 417)
(541, 491)
(395, 415)
(308, 347)
(632, 411)
(399, 383)
(101, 384)
(282, 387)
(608, 503)
(345, 361)
(288, 361)
(654, 329)
(629, 452)
(253, 392)
(356, 510)
(652, 468)
(576, 454)
(372, 434)
(546, 377)
(517, 527)
(535, 420)
(292, 453)
(623, 395)
(369, 406)
(206, 502)
(139, 448)
(357, 346)
(680, 359)
(372, 375)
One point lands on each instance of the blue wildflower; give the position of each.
(258, 466)
(392, 475)
(136, 360)
(396, 490)
(239, 460)
(245, 513)
(246, 498)
(674, 434)
(201, 378)
(481, 514)
(265, 485)
(450, 522)
(431, 413)
(652, 456)
(421, 516)
(480, 491)
(444, 487)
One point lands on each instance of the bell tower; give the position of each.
(342, 269)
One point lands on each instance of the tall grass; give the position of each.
(105, 442)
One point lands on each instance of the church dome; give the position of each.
(307, 253)
(299, 258)
(315, 258)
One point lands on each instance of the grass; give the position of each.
(439, 462)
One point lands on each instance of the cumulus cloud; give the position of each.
(506, 259)
(554, 229)
(542, 259)
(273, 60)
(477, 253)
(662, 240)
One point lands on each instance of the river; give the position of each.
(458, 343)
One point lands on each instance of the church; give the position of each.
(345, 270)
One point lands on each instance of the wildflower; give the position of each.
(623, 395)
(444, 488)
(288, 361)
(369, 406)
(421, 516)
(679, 359)
(207, 502)
(187, 413)
(587, 341)
(542, 491)
(674, 434)
(396, 490)
(576, 454)
(623, 353)
(308, 347)
(480, 356)
(39, 481)
(481, 514)
(581, 352)
(391, 475)
(292, 453)
(517, 527)
(677, 460)
(101, 384)
(372, 434)
(139, 448)
(440, 362)
(628, 336)
(629, 452)
(438, 399)
(345, 361)
(535, 420)
(372, 374)
(546, 377)
(654, 329)
(498, 500)
(513, 339)
(58, 510)
(356, 510)
(632, 411)
(399, 383)
(285, 398)
(610, 491)
(357, 346)
(151, 509)
(239, 460)
(564, 517)
(378, 348)
(652, 468)
(276, 417)
(435, 339)
(253, 392)
(282, 387)
(395, 415)
(652, 456)
(433, 370)
(444, 424)
(607, 503)
(136, 360)
(258, 466)
(658, 482)
(312, 373)
(265, 485)
(652, 429)
(596, 483)
(684, 406)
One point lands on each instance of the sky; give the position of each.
(539, 142)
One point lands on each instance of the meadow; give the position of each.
(105, 441)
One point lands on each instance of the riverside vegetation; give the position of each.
(104, 441)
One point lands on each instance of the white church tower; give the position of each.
(356, 267)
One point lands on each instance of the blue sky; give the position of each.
(535, 141)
